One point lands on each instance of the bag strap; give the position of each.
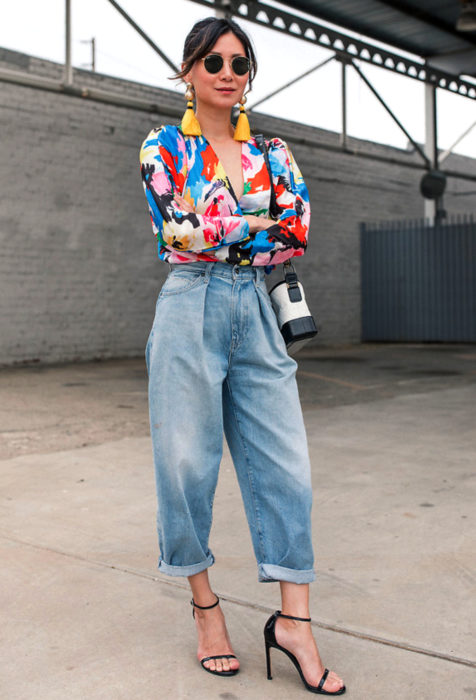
(290, 275)
(274, 209)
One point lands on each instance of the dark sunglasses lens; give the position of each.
(213, 64)
(240, 65)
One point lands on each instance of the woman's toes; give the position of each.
(211, 665)
(333, 682)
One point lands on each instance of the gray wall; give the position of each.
(79, 273)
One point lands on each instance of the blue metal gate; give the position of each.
(419, 281)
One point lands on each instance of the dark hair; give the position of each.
(203, 37)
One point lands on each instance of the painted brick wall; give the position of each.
(79, 274)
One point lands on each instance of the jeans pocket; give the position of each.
(180, 281)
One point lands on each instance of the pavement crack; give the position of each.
(375, 639)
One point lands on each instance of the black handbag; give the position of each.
(295, 321)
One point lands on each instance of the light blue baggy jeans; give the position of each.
(217, 362)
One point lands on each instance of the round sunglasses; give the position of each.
(240, 65)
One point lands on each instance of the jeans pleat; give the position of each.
(217, 364)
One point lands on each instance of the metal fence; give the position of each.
(419, 281)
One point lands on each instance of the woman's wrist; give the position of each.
(257, 223)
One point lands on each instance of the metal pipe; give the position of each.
(343, 136)
(143, 105)
(394, 117)
(431, 123)
(68, 68)
(449, 151)
(145, 36)
(92, 93)
(291, 82)
(431, 145)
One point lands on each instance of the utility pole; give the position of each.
(68, 69)
(92, 65)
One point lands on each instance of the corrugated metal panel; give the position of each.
(419, 281)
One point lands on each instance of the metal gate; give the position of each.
(419, 281)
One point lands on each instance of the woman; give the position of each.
(215, 357)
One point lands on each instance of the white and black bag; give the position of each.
(295, 321)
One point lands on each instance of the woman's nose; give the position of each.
(226, 71)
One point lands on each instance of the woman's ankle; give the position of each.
(205, 599)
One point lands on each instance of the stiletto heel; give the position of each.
(233, 671)
(270, 641)
(268, 660)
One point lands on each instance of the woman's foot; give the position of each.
(213, 637)
(297, 638)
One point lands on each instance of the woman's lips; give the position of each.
(226, 90)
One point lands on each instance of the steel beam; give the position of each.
(143, 105)
(431, 145)
(431, 134)
(344, 45)
(222, 9)
(343, 136)
(145, 36)
(291, 82)
(449, 151)
(394, 117)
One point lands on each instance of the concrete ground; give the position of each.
(85, 614)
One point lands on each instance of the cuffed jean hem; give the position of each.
(171, 570)
(271, 573)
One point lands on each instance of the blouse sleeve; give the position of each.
(162, 159)
(292, 197)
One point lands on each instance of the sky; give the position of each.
(36, 27)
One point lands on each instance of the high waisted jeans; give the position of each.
(217, 362)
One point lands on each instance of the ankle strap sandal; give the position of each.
(203, 607)
(232, 672)
(270, 641)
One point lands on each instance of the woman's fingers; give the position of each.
(258, 223)
(183, 204)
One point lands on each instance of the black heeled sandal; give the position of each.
(231, 672)
(270, 641)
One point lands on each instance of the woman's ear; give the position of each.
(186, 78)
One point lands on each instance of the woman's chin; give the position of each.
(222, 102)
(231, 97)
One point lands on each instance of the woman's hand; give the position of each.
(258, 223)
(183, 204)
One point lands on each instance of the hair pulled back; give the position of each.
(203, 37)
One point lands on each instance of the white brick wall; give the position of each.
(79, 273)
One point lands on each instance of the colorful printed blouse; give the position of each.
(216, 230)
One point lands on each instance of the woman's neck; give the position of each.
(215, 124)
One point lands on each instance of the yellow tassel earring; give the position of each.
(190, 125)
(242, 128)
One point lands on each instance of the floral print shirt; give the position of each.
(216, 230)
